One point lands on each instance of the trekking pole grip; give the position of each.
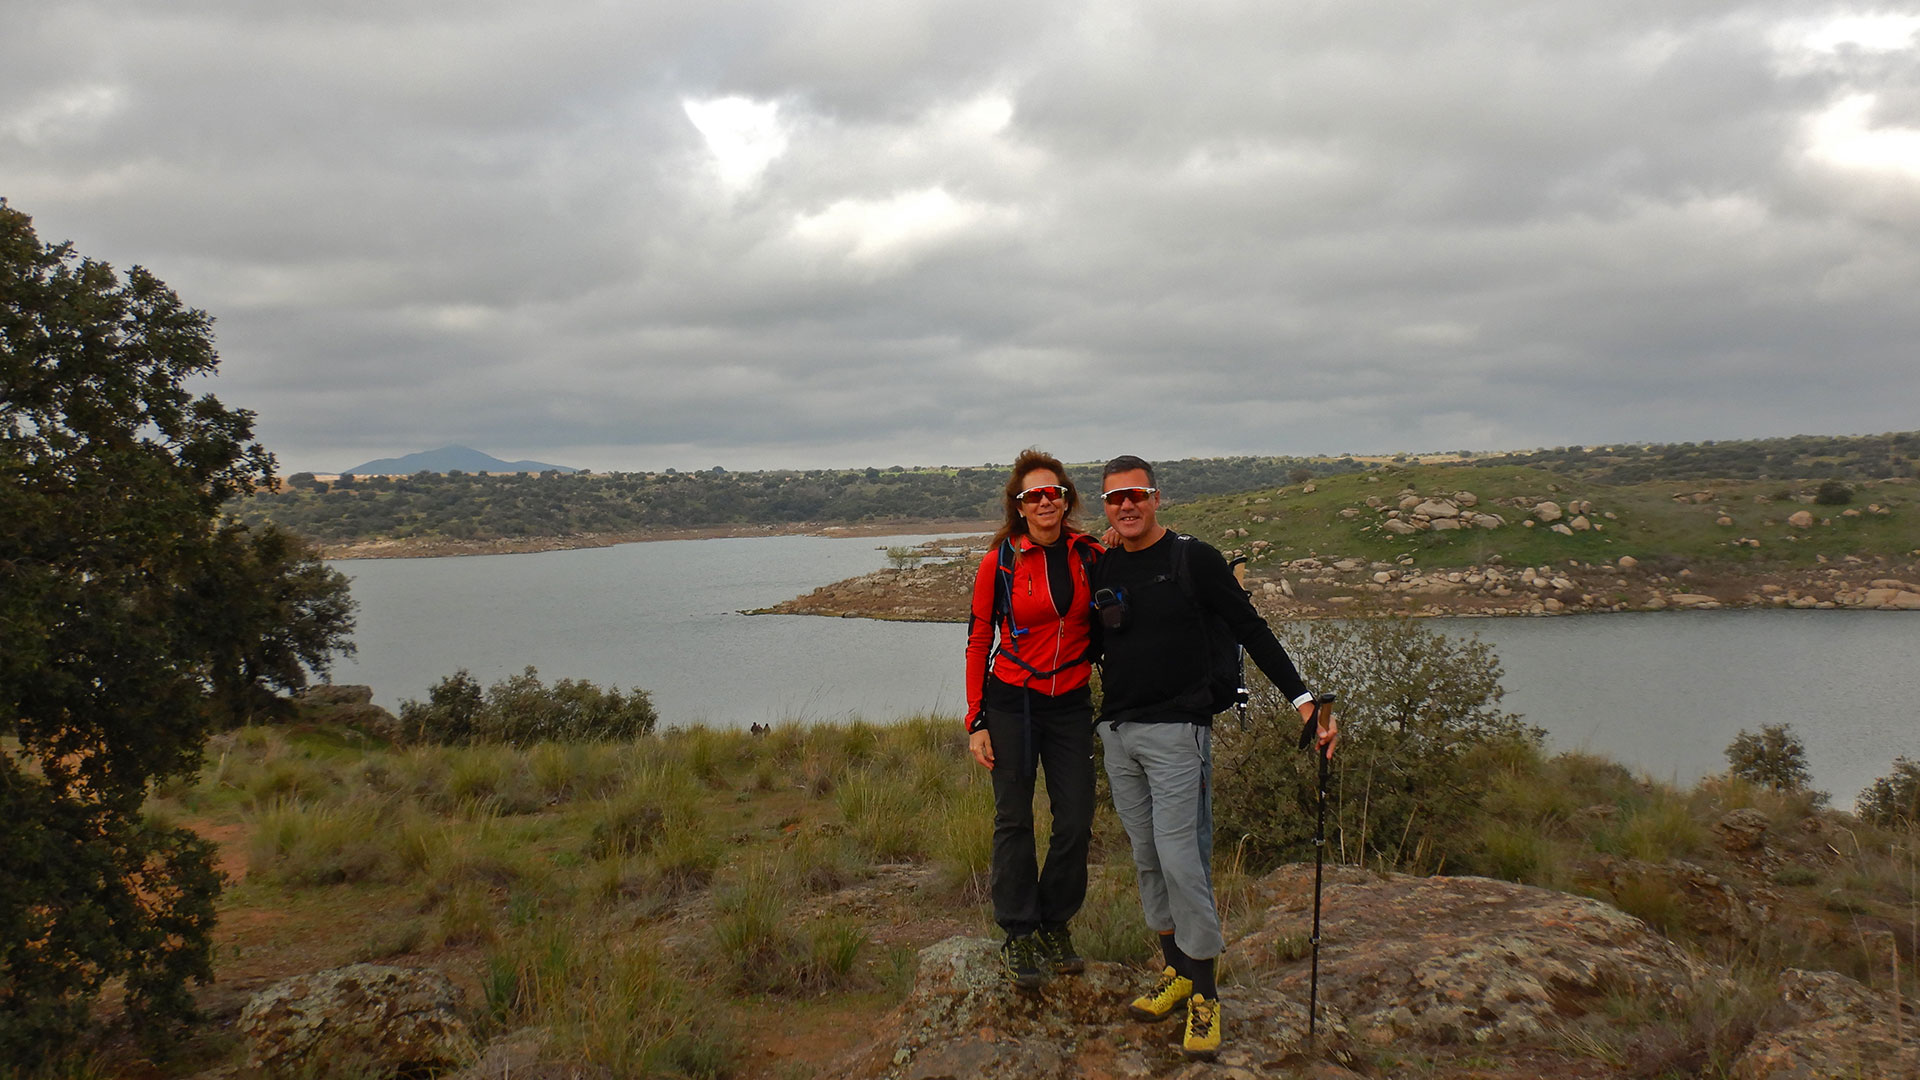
(1309, 726)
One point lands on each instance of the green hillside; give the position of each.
(1645, 520)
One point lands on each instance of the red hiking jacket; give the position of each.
(1047, 640)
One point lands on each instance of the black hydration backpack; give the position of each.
(1226, 678)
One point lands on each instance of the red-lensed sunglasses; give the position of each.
(1033, 495)
(1139, 495)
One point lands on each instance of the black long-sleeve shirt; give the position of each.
(1157, 667)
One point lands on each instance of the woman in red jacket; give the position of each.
(1028, 704)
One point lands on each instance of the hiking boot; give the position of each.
(1203, 1027)
(1025, 960)
(1057, 944)
(1166, 996)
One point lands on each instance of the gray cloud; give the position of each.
(951, 230)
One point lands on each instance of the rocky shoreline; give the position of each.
(1331, 586)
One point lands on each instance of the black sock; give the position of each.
(1202, 977)
(1176, 959)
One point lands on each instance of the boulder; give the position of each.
(962, 1021)
(1461, 960)
(1488, 521)
(1561, 529)
(1742, 831)
(1692, 600)
(1801, 519)
(1580, 524)
(1444, 524)
(363, 1019)
(1408, 502)
(1398, 527)
(330, 694)
(1437, 508)
(1891, 599)
(1547, 511)
(1837, 1027)
(1465, 498)
(348, 705)
(1701, 901)
(1626, 562)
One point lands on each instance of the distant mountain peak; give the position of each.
(449, 459)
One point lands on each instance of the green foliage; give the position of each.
(1775, 758)
(520, 710)
(1894, 800)
(1833, 493)
(133, 619)
(290, 614)
(1422, 739)
(1854, 456)
(466, 507)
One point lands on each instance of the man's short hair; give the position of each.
(1127, 463)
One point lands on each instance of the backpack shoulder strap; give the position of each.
(1003, 591)
(1182, 575)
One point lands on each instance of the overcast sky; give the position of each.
(868, 232)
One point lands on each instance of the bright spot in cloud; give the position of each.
(62, 114)
(744, 136)
(872, 229)
(987, 115)
(1873, 33)
(1841, 136)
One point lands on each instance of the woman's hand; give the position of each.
(981, 744)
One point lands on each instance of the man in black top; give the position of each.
(1155, 726)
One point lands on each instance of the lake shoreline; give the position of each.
(443, 547)
(1331, 587)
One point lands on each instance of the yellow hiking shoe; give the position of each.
(1166, 995)
(1203, 1027)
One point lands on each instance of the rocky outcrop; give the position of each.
(348, 705)
(1421, 966)
(1413, 966)
(1464, 960)
(1836, 1028)
(963, 1022)
(360, 1020)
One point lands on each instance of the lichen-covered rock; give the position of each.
(1461, 960)
(1840, 1029)
(363, 1019)
(1743, 830)
(964, 1021)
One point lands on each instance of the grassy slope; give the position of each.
(610, 893)
(1649, 522)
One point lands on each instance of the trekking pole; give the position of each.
(1308, 731)
(1241, 695)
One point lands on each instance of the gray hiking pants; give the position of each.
(1162, 780)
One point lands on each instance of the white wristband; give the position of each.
(1303, 699)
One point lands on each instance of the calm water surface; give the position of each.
(1661, 692)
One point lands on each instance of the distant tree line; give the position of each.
(465, 506)
(1800, 457)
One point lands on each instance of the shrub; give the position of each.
(1775, 758)
(521, 710)
(1833, 493)
(1894, 800)
(1422, 738)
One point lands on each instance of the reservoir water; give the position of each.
(1661, 692)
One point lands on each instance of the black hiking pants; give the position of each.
(1025, 896)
